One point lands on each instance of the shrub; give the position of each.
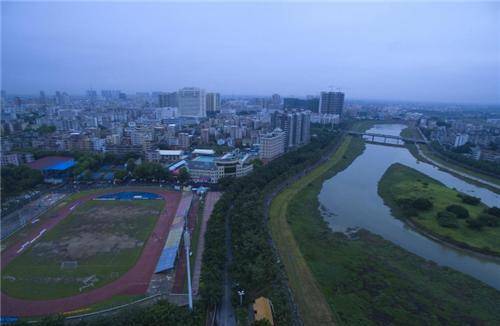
(422, 204)
(488, 220)
(474, 224)
(404, 203)
(459, 211)
(470, 200)
(447, 219)
(495, 211)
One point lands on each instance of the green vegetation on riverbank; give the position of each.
(400, 184)
(428, 152)
(313, 306)
(366, 280)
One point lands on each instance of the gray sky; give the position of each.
(417, 51)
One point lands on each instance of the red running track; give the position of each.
(134, 282)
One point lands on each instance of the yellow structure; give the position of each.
(262, 309)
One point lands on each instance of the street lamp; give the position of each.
(241, 293)
(188, 265)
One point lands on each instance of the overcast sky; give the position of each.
(419, 51)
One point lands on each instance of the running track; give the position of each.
(134, 282)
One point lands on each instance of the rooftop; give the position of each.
(54, 163)
(169, 152)
(199, 151)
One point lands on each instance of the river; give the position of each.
(351, 200)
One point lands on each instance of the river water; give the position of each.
(351, 200)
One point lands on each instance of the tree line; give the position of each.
(255, 268)
(482, 165)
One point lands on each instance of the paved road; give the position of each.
(134, 282)
(463, 174)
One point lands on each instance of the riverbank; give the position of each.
(313, 308)
(366, 279)
(424, 154)
(401, 182)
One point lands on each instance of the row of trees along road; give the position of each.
(255, 268)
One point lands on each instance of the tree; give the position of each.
(474, 224)
(183, 176)
(150, 171)
(16, 179)
(45, 129)
(470, 200)
(422, 204)
(459, 211)
(495, 211)
(121, 175)
(488, 220)
(447, 219)
(130, 165)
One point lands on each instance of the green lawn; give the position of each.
(400, 181)
(105, 238)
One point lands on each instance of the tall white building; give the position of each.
(460, 140)
(192, 102)
(272, 145)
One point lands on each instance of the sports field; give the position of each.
(96, 244)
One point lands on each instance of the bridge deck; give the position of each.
(409, 140)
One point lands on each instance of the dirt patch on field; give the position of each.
(97, 229)
(85, 245)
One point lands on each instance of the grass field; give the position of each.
(367, 280)
(313, 307)
(105, 238)
(49, 213)
(400, 181)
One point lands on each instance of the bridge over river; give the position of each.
(385, 137)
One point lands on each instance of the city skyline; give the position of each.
(256, 49)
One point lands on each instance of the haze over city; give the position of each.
(443, 52)
(235, 163)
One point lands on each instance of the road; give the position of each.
(463, 174)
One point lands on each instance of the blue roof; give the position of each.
(167, 259)
(53, 163)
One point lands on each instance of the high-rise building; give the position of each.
(205, 136)
(168, 100)
(331, 103)
(272, 145)
(110, 94)
(92, 96)
(295, 124)
(42, 100)
(184, 140)
(213, 102)
(192, 102)
(276, 99)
